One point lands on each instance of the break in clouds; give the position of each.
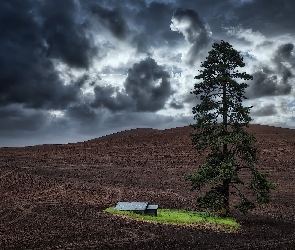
(73, 70)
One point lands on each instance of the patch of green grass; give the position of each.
(183, 217)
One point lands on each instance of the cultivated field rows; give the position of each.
(53, 196)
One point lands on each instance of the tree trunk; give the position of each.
(227, 181)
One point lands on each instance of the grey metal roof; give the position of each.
(135, 206)
(152, 207)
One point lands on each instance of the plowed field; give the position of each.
(53, 196)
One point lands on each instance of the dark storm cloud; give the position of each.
(147, 88)
(38, 36)
(212, 12)
(268, 17)
(81, 112)
(141, 85)
(191, 99)
(112, 20)
(156, 19)
(80, 82)
(15, 118)
(103, 98)
(264, 84)
(277, 81)
(284, 55)
(34, 84)
(85, 80)
(194, 30)
(65, 34)
(83, 119)
(141, 43)
(151, 23)
(111, 4)
(271, 17)
(143, 25)
(265, 111)
(33, 33)
(176, 105)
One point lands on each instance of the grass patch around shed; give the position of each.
(183, 217)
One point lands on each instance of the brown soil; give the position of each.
(53, 196)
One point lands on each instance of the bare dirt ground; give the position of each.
(53, 196)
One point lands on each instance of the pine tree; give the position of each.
(231, 149)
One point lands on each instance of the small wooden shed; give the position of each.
(138, 207)
(152, 210)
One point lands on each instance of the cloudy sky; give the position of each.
(75, 70)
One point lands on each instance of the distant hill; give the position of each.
(137, 131)
(253, 128)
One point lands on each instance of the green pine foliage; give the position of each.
(231, 149)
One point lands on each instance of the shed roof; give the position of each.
(135, 206)
(152, 207)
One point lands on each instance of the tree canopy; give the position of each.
(220, 118)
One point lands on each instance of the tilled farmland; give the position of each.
(53, 196)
